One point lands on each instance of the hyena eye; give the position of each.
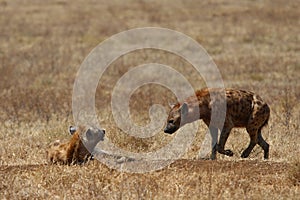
(171, 121)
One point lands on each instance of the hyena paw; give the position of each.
(213, 157)
(228, 152)
(244, 154)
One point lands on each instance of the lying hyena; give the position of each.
(78, 149)
(244, 109)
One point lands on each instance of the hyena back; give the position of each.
(243, 109)
(76, 150)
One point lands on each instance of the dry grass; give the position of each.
(205, 180)
(254, 44)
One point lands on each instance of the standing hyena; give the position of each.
(78, 149)
(244, 109)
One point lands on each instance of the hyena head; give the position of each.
(176, 117)
(91, 136)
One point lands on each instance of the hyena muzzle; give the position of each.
(243, 109)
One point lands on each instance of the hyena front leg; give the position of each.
(223, 138)
(214, 141)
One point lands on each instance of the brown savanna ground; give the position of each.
(255, 44)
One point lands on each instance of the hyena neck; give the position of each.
(198, 107)
(205, 112)
(73, 146)
(204, 104)
(192, 115)
(196, 112)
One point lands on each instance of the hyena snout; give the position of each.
(95, 134)
(171, 128)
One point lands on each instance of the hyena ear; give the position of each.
(184, 109)
(72, 130)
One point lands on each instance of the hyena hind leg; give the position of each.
(253, 141)
(263, 144)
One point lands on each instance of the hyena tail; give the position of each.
(267, 110)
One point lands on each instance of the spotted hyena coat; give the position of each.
(77, 149)
(244, 109)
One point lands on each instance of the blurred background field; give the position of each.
(255, 45)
